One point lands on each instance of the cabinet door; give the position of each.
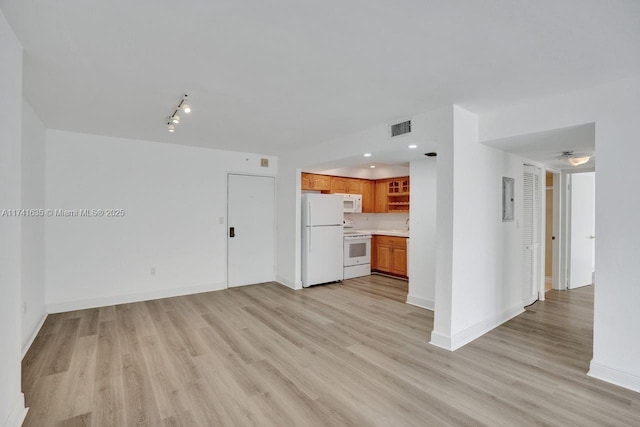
(368, 196)
(384, 257)
(399, 261)
(306, 181)
(321, 182)
(380, 203)
(354, 186)
(338, 185)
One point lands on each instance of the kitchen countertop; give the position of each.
(394, 233)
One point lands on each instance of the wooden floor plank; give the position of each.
(350, 354)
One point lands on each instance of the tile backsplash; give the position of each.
(378, 221)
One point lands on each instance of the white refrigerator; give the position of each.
(322, 238)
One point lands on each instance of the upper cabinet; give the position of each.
(312, 181)
(368, 196)
(398, 194)
(345, 185)
(379, 196)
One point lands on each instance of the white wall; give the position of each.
(12, 408)
(378, 221)
(33, 171)
(173, 197)
(614, 108)
(486, 254)
(422, 269)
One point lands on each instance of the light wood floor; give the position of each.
(349, 354)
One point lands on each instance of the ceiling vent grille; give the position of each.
(401, 128)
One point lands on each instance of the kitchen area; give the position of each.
(354, 227)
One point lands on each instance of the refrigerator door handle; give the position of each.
(309, 239)
(309, 214)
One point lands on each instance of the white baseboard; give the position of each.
(288, 283)
(17, 414)
(124, 299)
(614, 376)
(27, 345)
(440, 340)
(473, 332)
(421, 302)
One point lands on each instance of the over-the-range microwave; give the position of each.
(351, 203)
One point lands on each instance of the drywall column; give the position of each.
(33, 197)
(616, 326)
(12, 408)
(479, 262)
(422, 271)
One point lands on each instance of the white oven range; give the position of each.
(357, 254)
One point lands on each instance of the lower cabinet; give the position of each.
(390, 255)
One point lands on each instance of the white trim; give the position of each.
(614, 376)
(17, 414)
(284, 282)
(421, 302)
(27, 345)
(82, 304)
(473, 332)
(439, 340)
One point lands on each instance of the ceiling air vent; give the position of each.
(401, 128)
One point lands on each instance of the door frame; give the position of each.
(565, 218)
(275, 222)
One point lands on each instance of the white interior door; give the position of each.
(531, 234)
(582, 229)
(250, 229)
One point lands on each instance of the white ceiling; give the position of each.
(547, 147)
(267, 75)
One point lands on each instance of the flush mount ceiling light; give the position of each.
(412, 146)
(575, 159)
(372, 166)
(174, 118)
(367, 154)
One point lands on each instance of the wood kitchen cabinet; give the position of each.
(312, 181)
(380, 203)
(344, 185)
(368, 196)
(398, 194)
(390, 255)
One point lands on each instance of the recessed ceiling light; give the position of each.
(372, 166)
(367, 154)
(413, 146)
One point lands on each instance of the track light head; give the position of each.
(186, 108)
(171, 128)
(175, 118)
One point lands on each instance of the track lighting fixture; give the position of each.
(174, 118)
